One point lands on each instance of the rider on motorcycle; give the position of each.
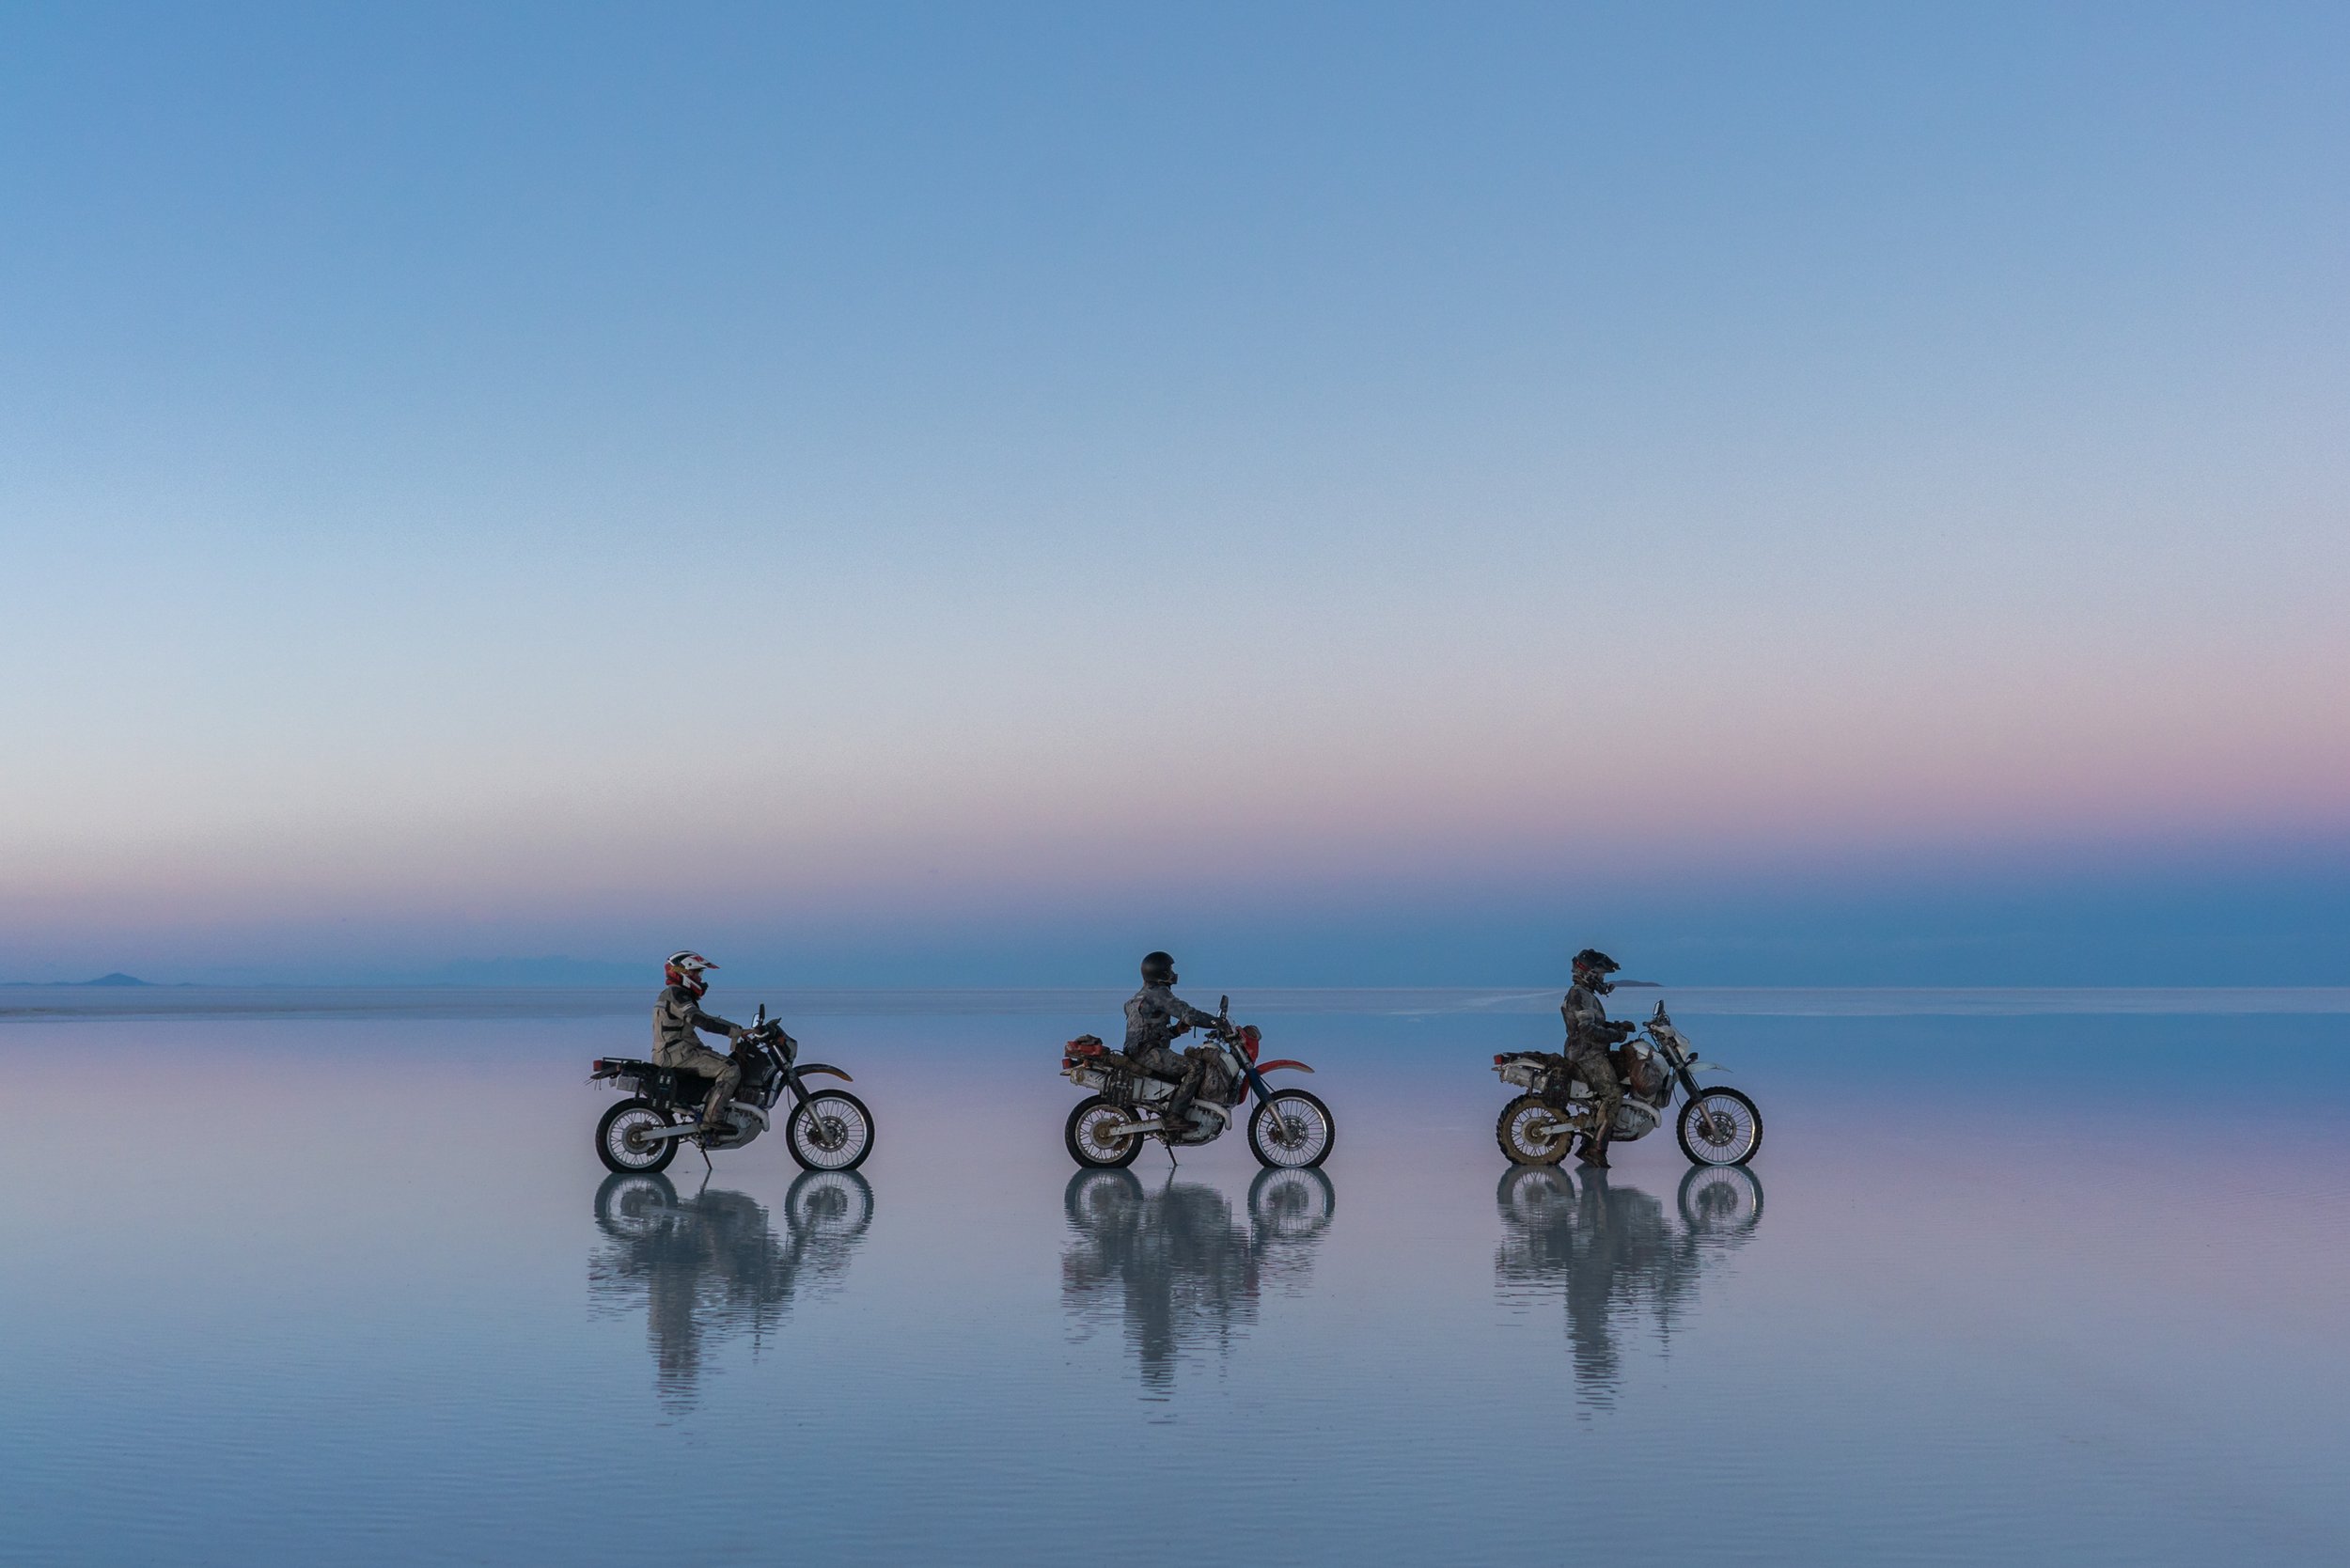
(677, 1016)
(1589, 1035)
(1155, 1017)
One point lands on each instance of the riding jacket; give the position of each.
(1155, 1015)
(1588, 1028)
(675, 1017)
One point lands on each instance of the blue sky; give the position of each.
(960, 492)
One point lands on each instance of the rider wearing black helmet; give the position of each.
(1589, 1035)
(677, 1016)
(1155, 1017)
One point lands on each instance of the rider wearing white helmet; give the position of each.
(677, 1016)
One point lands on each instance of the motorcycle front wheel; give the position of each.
(832, 1131)
(1515, 1132)
(1720, 1127)
(1292, 1131)
(1092, 1135)
(622, 1144)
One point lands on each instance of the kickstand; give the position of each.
(1171, 1160)
(708, 1169)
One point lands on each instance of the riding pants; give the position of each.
(1599, 1076)
(1163, 1062)
(708, 1064)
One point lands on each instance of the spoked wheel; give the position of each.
(1093, 1139)
(1721, 1201)
(1516, 1132)
(621, 1143)
(1289, 1204)
(636, 1204)
(1533, 1196)
(829, 1203)
(1292, 1131)
(832, 1131)
(1720, 1127)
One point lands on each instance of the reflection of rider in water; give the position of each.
(1612, 1248)
(1176, 1265)
(711, 1266)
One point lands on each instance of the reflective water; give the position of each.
(2008, 1283)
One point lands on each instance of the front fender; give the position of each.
(804, 1068)
(1276, 1066)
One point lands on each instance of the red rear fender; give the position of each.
(1275, 1066)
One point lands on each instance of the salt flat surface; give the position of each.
(2057, 1282)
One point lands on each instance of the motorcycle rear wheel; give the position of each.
(619, 1139)
(1720, 1126)
(1520, 1145)
(1292, 1131)
(1087, 1140)
(832, 1131)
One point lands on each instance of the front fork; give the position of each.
(1256, 1081)
(1689, 1087)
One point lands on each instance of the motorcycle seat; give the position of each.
(1119, 1061)
(660, 1084)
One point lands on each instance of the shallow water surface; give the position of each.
(344, 1282)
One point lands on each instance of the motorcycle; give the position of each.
(1717, 1125)
(828, 1130)
(1289, 1130)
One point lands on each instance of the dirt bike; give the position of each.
(828, 1130)
(1289, 1129)
(1717, 1127)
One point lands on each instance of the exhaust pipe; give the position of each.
(687, 1129)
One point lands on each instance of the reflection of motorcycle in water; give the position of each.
(709, 1267)
(1175, 1267)
(1289, 1129)
(828, 1129)
(1611, 1251)
(1717, 1127)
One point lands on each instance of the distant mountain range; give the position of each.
(117, 978)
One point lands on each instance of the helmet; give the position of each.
(1592, 968)
(1158, 969)
(685, 968)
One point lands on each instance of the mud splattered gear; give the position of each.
(1588, 1025)
(1589, 1035)
(1155, 1017)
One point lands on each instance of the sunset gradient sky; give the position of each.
(1353, 493)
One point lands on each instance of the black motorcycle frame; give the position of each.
(769, 1059)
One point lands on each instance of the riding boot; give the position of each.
(1595, 1150)
(1179, 1104)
